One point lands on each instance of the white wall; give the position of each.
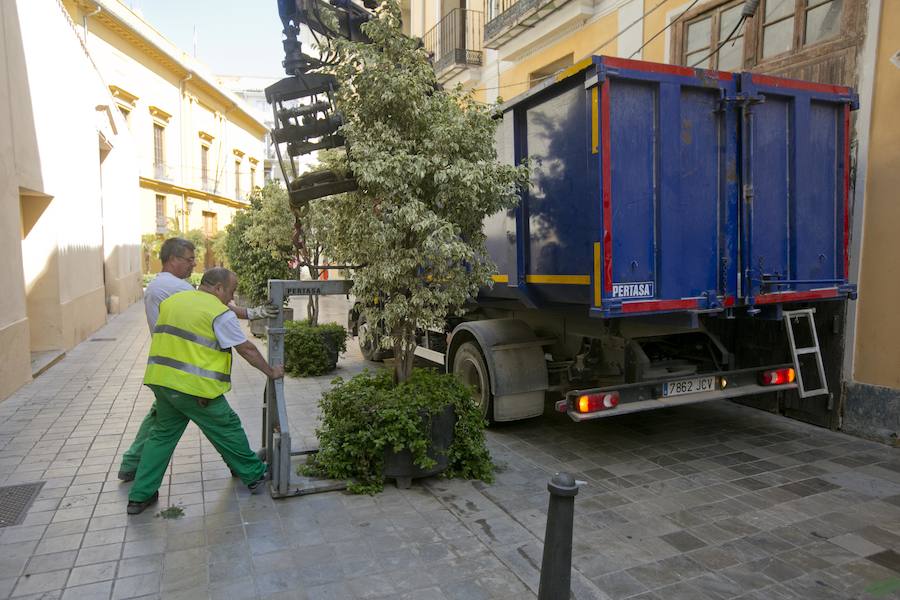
(82, 217)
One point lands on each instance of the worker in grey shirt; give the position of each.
(177, 256)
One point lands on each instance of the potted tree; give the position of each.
(428, 175)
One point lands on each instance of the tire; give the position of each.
(367, 345)
(471, 369)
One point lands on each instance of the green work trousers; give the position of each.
(218, 422)
(132, 456)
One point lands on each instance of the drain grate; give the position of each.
(15, 500)
(102, 339)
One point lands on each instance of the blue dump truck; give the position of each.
(684, 239)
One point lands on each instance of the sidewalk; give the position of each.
(709, 501)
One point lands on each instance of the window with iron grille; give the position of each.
(159, 157)
(204, 166)
(161, 216)
(237, 179)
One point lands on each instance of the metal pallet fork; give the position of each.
(276, 434)
(809, 347)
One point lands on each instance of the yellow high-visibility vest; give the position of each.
(184, 352)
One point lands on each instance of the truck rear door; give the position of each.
(795, 202)
(669, 179)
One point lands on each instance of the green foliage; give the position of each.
(311, 350)
(199, 240)
(151, 243)
(255, 257)
(272, 223)
(428, 175)
(173, 512)
(216, 244)
(194, 236)
(368, 414)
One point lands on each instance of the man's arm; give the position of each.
(240, 311)
(263, 311)
(252, 355)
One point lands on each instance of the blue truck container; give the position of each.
(660, 188)
(681, 229)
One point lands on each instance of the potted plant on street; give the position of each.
(311, 350)
(428, 175)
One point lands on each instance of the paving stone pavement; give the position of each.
(710, 501)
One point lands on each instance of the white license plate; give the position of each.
(692, 385)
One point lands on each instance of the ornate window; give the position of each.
(779, 29)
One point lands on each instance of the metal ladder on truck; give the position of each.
(809, 347)
(276, 432)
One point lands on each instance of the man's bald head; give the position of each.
(217, 275)
(220, 282)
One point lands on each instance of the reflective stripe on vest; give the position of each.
(183, 366)
(184, 353)
(193, 337)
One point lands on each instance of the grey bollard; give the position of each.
(556, 565)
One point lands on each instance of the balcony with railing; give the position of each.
(455, 43)
(161, 172)
(510, 19)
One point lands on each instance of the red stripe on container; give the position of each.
(779, 82)
(796, 296)
(847, 191)
(607, 186)
(652, 305)
(652, 67)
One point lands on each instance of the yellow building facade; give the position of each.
(501, 48)
(200, 148)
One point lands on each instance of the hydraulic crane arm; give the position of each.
(303, 102)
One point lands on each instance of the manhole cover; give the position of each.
(15, 500)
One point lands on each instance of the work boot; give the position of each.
(126, 475)
(257, 486)
(136, 508)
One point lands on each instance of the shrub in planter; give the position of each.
(368, 416)
(312, 349)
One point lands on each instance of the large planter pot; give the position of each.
(332, 347)
(400, 466)
(258, 326)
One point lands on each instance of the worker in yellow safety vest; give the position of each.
(189, 371)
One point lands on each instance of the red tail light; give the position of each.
(777, 377)
(588, 403)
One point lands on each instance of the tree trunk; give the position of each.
(312, 310)
(404, 352)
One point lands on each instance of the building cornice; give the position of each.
(122, 21)
(166, 187)
(159, 114)
(126, 99)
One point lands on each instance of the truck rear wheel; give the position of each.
(470, 368)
